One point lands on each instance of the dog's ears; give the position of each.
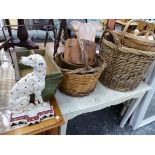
(39, 65)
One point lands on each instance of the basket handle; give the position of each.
(129, 23)
(115, 38)
(84, 52)
(147, 34)
(54, 54)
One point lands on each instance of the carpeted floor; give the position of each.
(105, 122)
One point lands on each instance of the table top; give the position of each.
(101, 97)
(42, 126)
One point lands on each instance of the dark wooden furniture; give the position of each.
(63, 27)
(45, 25)
(52, 27)
(22, 34)
(5, 45)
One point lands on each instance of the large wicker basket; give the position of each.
(135, 41)
(81, 81)
(125, 66)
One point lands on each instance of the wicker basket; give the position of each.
(80, 82)
(61, 62)
(125, 66)
(134, 41)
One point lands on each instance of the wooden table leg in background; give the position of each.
(50, 23)
(63, 26)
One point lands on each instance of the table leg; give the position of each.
(50, 22)
(130, 111)
(57, 40)
(63, 26)
(63, 128)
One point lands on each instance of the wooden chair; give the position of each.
(45, 25)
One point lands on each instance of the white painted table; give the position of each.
(101, 98)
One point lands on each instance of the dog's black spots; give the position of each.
(25, 79)
(13, 124)
(25, 87)
(44, 117)
(32, 74)
(17, 97)
(37, 89)
(32, 83)
(17, 89)
(24, 93)
(21, 104)
(20, 123)
(38, 80)
(18, 83)
(11, 93)
(44, 74)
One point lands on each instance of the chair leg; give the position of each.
(50, 22)
(46, 37)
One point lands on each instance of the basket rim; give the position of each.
(83, 70)
(137, 39)
(126, 49)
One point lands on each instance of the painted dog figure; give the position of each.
(33, 82)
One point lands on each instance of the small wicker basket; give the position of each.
(81, 81)
(125, 66)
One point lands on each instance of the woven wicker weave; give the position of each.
(66, 65)
(125, 66)
(80, 82)
(134, 41)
